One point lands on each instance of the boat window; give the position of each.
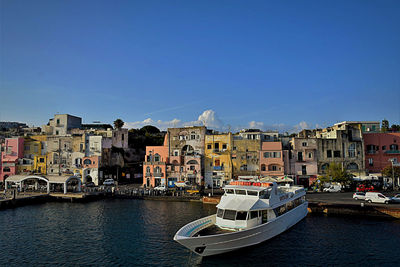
(264, 216)
(241, 215)
(253, 214)
(280, 210)
(230, 214)
(252, 193)
(240, 192)
(220, 213)
(229, 191)
(265, 194)
(289, 205)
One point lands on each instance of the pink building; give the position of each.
(13, 149)
(303, 160)
(271, 159)
(155, 165)
(380, 149)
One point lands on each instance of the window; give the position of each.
(266, 155)
(336, 153)
(352, 166)
(253, 214)
(304, 144)
(277, 154)
(41, 160)
(309, 155)
(234, 148)
(241, 215)
(208, 146)
(329, 153)
(87, 162)
(383, 147)
(252, 193)
(240, 192)
(57, 132)
(229, 215)
(192, 137)
(264, 214)
(223, 146)
(220, 213)
(352, 151)
(216, 146)
(263, 167)
(304, 170)
(122, 137)
(371, 162)
(371, 149)
(6, 169)
(192, 167)
(230, 191)
(58, 121)
(176, 153)
(157, 157)
(243, 168)
(394, 147)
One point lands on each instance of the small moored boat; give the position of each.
(249, 213)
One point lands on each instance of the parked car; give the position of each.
(359, 195)
(161, 188)
(364, 188)
(376, 197)
(333, 188)
(108, 182)
(396, 198)
(182, 184)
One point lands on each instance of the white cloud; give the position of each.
(208, 118)
(256, 124)
(302, 126)
(162, 125)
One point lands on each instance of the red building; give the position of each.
(380, 149)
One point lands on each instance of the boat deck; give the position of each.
(213, 230)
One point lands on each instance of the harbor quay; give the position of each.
(335, 204)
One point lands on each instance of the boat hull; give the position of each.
(222, 243)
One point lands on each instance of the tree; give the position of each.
(149, 129)
(387, 171)
(118, 123)
(335, 173)
(395, 128)
(385, 125)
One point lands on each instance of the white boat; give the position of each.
(248, 214)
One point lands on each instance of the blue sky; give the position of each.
(269, 64)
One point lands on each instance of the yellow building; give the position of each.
(39, 157)
(245, 156)
(40, 164)
(217, 159)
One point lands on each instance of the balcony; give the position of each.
(148, 174)
(158, 174)
(371, 152)
(392, 152)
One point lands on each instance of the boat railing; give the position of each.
(194, 227)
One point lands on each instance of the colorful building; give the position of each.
(217, 159)
(155, 165)
(271, 159)
(245, 154)
(13, 150)
(303, 160)
(380, 150)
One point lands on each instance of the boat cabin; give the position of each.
(246, 206)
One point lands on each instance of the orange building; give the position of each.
(271, 159)
(155, 165)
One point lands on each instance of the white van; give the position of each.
(376, 197)
(333, 188)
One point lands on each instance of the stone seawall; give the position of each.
(368, 210)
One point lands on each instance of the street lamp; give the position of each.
(392, 161)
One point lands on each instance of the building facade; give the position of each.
(381, 149)
(271, 159)
(217, 159)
